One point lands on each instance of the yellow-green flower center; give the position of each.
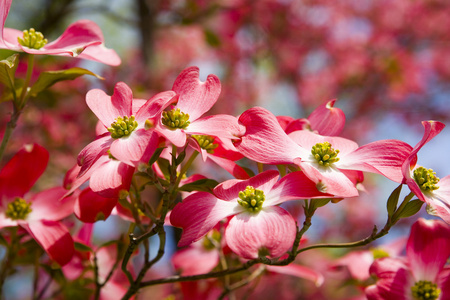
(425, 290)
(206, 142)
(324, 154)
(379, 253)
(175, 119)
(426, 179)
(252, 199)
(122, 127)
(18, 209)
(32, 39)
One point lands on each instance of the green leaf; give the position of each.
(212, 38)
(82, 247)
(316, 203)
(411, 208)
(8, 68)
(392, 202)
(204, 185)
(49, 78)
(155, 155)
(180, 158)
(164, 165)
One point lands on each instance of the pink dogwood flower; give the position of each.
(323, 159)
(423, 274)
(195, 98)
(37, 214)
(258, 226)
(82, 39)
(129, 134)
(423, 182)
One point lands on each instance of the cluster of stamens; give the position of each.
(32, 39)
(425, 290)
(426, 179)
(175, 119)
(122, 127)
(18, 209)
(252, 199)
(324, 154)
(379, 253)
(205, 142)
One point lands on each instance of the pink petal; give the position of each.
(293, 186)
(101, 54)
(444, 283)
(92, 152)
(394, 280)
(330, 180)
(5, 5)
(5, 221)
(428, 248)
(198, 214)
(383, 157)
(264, 140)
(230, 166)
(229, 190)
(195, 260)
(109, 108)
(91, 207)
(327, 120)
(299, 271)
(196, 97)
(48, 205)
(22, 171)
(358, 263)
(110, 178)
(221, 126)
(154, 106)
(177, 137)
(272, 229)
(54, 238)
(132, 148)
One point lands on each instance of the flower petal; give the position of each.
(92, 152)
(108, 108)
(428, 248)
(154, 106)
(196, 97)
(101, 54)
(299, 271)
(327, 120)
(110, 178)
(272, 229)
(54, 238)
(91, 207)
(195, 260)
(21, 172)
(49, 206)
(264, 140)
(132, 149)
(198, 214)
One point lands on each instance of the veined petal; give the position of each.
(272, 229)
(329, 180)
(54, 238)
(49, 206)
(132, 148)
(92, 152)
(109, 108)
(154, 106)
(22, 171)
(394, 280)
(177, 137)
(444, 283)
(264, 140)
(295, 185)
(428, 248)
(91, 207)
(221, 126)
(196, 97)
(229, 190)
(199, 213)
(195, 260)
(384, 157)
(111, 177)
(327, 120)
(230, 166)
(5, 5)
(101, 54)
